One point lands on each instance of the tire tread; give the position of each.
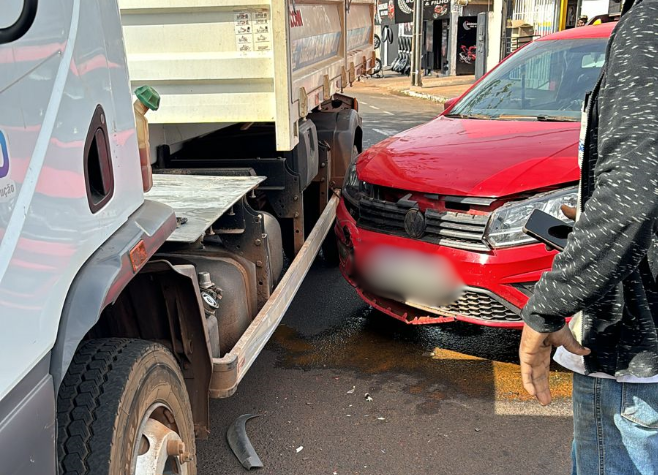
(89, 396)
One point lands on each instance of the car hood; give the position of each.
(470, 157)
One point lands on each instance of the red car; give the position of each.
(430, 223)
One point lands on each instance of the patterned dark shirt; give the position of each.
(609, 266)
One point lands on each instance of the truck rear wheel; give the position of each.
(123, 409)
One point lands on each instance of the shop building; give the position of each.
(446, 50)
(451, 44)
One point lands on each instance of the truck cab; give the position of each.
(70, 180)
(124, 308)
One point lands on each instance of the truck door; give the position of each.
(59, 61)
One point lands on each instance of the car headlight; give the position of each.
(351, 183)
(353, 188)
(505, 226)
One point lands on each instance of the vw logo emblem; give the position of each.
(414, 223)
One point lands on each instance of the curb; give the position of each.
(421, 95)
(442, 82)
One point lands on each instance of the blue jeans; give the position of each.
(615, 427)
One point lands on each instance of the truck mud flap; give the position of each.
(240, 444)
(229, 370)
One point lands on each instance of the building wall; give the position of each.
(543, 15)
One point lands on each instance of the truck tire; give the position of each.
(330, 243)
(123, 409)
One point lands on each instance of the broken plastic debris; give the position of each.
(351, 391)
(240, 444)
(368, 397)
(300, 448)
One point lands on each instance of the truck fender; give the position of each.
(105, 274)
(342, 130)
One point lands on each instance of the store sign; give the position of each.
(432, 10)
(382, 9)
(469, 25)
(466, 45)
(296, 19)
(435, 9)
(404, 11)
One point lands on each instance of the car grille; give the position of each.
(479, 305)
(447, 228)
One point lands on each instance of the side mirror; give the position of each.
(449, 103)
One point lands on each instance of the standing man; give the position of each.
(606, 276)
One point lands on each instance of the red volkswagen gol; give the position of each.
(430, 220)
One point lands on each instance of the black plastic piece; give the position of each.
(22, 24)
(240, 444)
(304, 158)
(99, 176)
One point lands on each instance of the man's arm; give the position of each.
(619, 220)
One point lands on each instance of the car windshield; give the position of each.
(547, 80)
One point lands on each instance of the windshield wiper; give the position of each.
(540, 118)
(471, 116)
(557, 118)
(516, 117)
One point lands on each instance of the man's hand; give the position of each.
(535, 356)
(569, 212)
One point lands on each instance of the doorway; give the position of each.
(441, 33)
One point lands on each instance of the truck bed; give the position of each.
(218, 62)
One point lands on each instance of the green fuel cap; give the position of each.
(148, 96)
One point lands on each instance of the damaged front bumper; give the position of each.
(497, 283)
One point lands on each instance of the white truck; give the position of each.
(123, 311)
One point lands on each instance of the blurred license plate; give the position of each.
(410, 276)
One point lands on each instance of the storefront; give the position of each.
(572, 10)
(397, 17)
(436, 14)
(570, 14)
(388, 32)
(543, 15)
(594, 8)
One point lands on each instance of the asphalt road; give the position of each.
(445, 399)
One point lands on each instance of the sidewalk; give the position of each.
(438, 89)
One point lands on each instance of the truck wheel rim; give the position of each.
(159, 450)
